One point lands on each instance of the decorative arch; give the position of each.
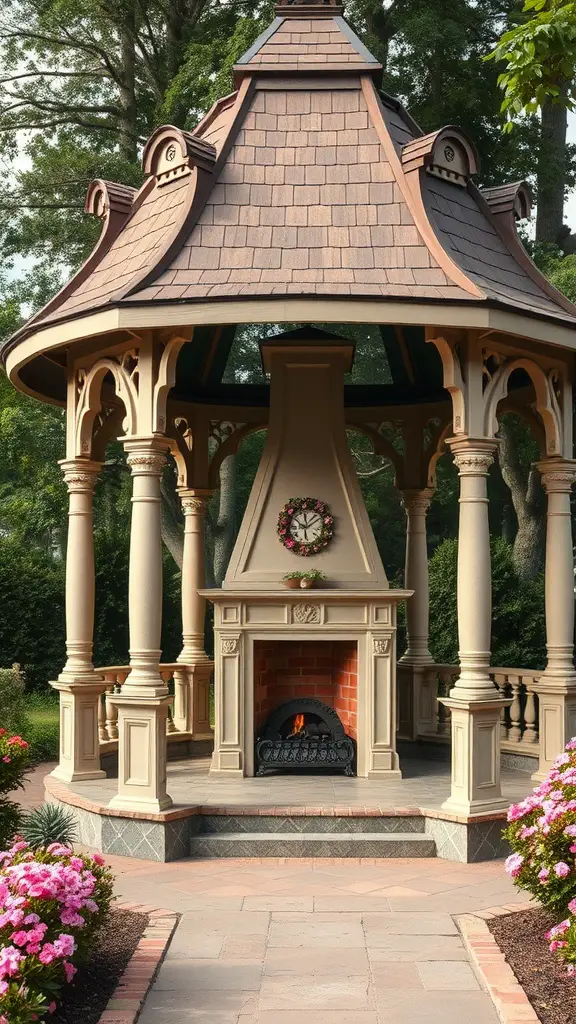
(436, 450)
(453, 381)
(229, 447)
(382, 446)
(90, 400)
(546, 401)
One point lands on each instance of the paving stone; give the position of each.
(395, 1007)
(397, 975)
(192, 976)
(417, 948)
(347, 934)
(447, 977)
(316, 960)
(325, 993)
(407, 924)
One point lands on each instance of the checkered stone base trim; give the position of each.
(492, 969)
(128, 999)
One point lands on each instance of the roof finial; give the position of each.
(299, 8)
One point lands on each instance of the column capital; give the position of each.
(193, 500)
(146, 455)
(417, 500)
(473, 455)
(80, 474)
(558, 475)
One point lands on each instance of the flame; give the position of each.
(298, 725)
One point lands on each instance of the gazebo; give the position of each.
(307, 197)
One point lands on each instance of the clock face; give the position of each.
(306, 526)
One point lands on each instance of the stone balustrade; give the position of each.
(519, 729)
(114, 678)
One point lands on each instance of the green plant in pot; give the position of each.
(294, 580)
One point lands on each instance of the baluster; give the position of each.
(443, 727)
(501, 683)
(515, 734)
(111, 709)
(531, 735)
(102, 730)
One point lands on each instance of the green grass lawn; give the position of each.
(43, 716)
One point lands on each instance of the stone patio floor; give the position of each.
(315, 941)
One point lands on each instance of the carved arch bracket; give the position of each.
(547, 403)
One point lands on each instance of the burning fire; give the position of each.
(298, 725)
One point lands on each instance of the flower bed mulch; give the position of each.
(543, 978)
(87, 997)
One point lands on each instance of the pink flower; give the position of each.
(58, 850)
(561, 869)
(514, 864)
(69, 971)
(527, 831)
(19, 938)
(6, 759)
(558, 929)
(543, 874)
(556, 945)
(51, 1008)
(70, 917)
(98, 859)
(65, 945)
(48, 954)
(32, 919)
(20, 845)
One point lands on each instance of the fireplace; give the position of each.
(304, 734)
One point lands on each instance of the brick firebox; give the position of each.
(325, 669)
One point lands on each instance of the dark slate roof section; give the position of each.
(473, 242)
(401, 126)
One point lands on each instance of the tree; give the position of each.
(539, 52)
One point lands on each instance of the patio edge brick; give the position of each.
(127, 1000)
(491, 967)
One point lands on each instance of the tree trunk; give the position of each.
(530, 508)
(127, 97)
(224, 532)
(551, 174)
(172, 528)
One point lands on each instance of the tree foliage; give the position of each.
(540, 56)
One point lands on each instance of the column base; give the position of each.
(557, 701)
(227, 764)
(475, 782)
(141, 753)
(192, 699)
(79, 745)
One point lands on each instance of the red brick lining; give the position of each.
(493, 971)
(324, 669)
(128, 999)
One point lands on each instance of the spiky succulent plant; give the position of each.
(47, 824)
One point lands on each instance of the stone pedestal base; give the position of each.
(192, 700)
(475, 785)
(141, 754)
(557, 721)
(417, 699)
(79, 750)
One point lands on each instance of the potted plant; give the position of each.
(311, 578)
(292, 580)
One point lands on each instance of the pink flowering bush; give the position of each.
(52, 902)
(14, 762)
(542, 834)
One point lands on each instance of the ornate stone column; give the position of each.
(143, 702)
(474, 701)
(79, 686)
(556, 688)
(192, 681)
(416, 699)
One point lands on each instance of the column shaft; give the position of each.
(192, 681)
(143, 702)
(79, 686)
(556, 688)
(474, 701)
(417, 504)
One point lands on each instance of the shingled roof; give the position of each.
(307, 182)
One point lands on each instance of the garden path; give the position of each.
(313, 941)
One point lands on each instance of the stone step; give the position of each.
(219, 824)
(313, 844)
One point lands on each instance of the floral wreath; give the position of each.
(287, 513)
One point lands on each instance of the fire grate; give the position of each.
(304, 734)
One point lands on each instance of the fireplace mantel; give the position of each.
(244, 616)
